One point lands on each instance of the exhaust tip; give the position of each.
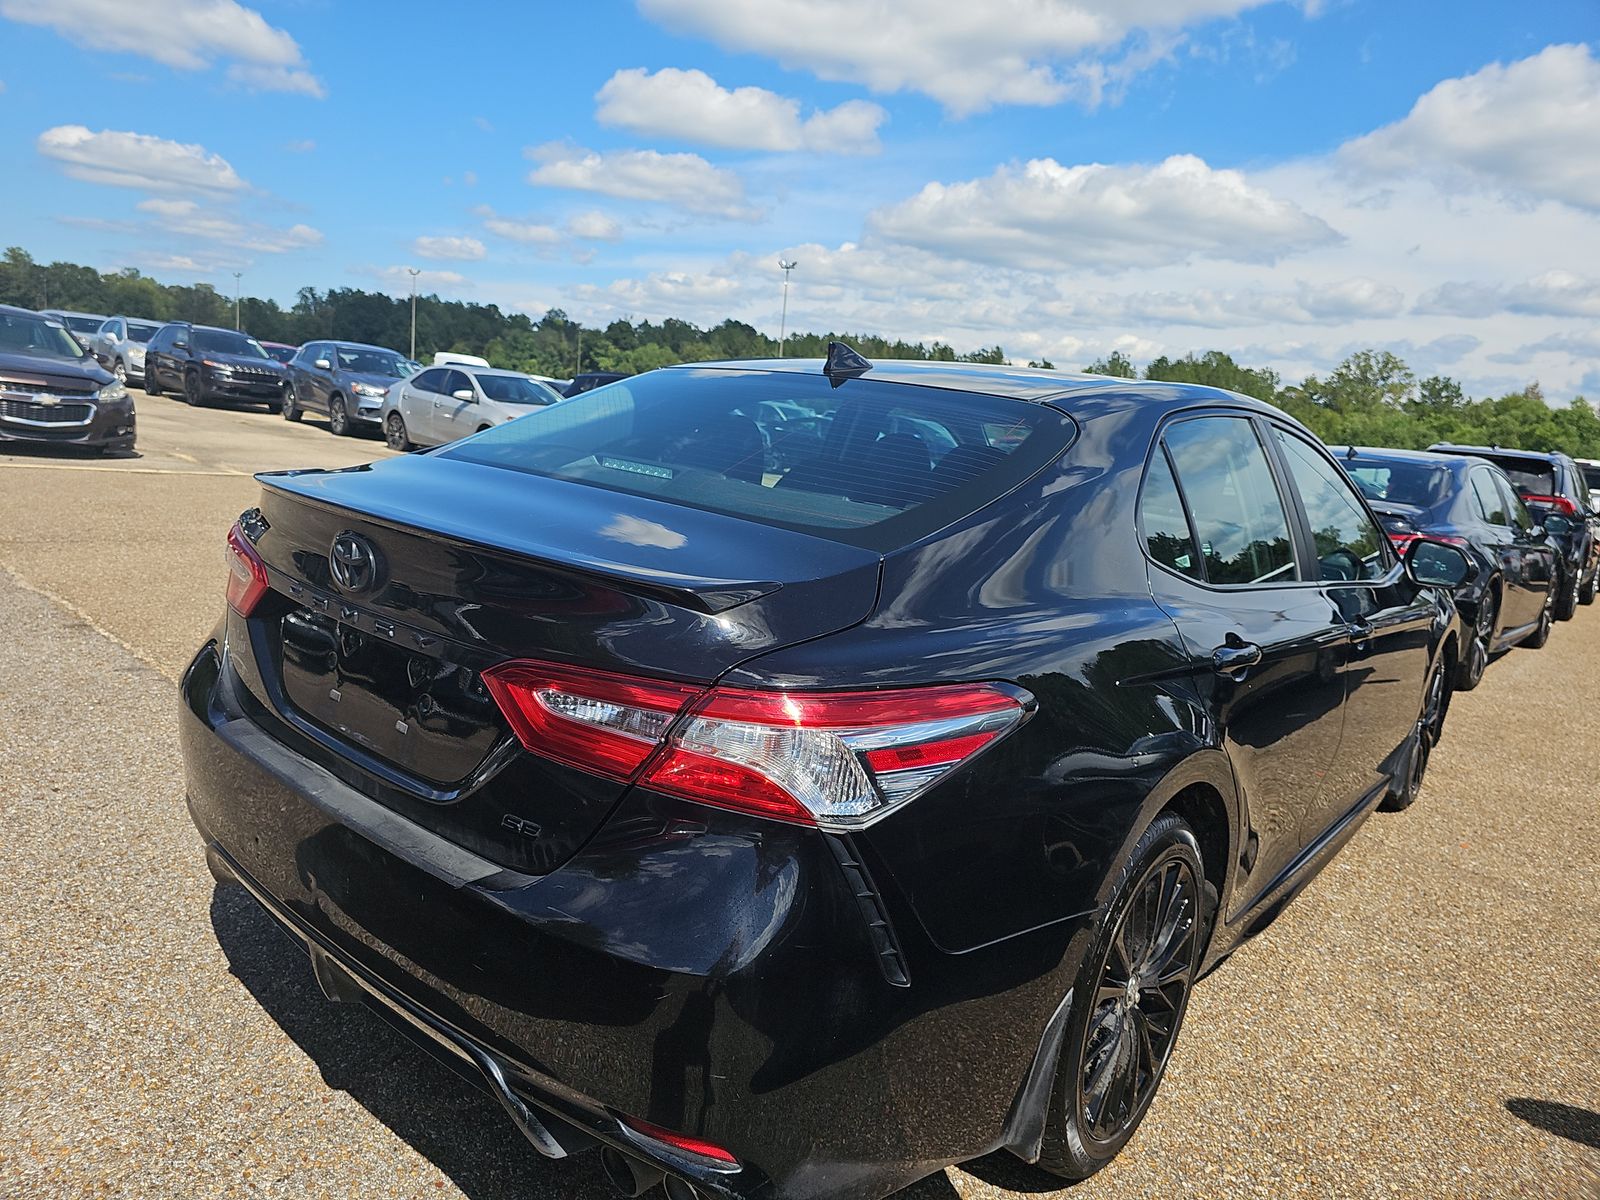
(628, 1175)
(680, 1189)
(219, 869)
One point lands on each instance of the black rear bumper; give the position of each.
(701, 971)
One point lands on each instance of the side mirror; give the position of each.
(323, 364)
(1436, 564)
(464, 394)
(180, 345)
(1556, 524)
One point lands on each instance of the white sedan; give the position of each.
(441, 404)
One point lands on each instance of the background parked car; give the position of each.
(280, 351)
(52, 390)
(587, 381)
(1590, 467)
(204, 364)
(81, 325)
(119, 344)
(1552, 483)
(1468, 502)
(346, 380)
(441, 404)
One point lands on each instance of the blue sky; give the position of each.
(1286, 181)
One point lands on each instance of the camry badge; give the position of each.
(353, 562)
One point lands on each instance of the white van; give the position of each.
(445, 358)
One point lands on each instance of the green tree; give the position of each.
(1117, 363)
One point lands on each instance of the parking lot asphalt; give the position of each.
(1424, 1021)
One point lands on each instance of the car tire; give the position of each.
(1567, 601)
(151, 386)
(120, 370)
(395, 433)
(338, 417)
(193, 394)
(1541, 632)
(1586, 593)
(1425, 735)
(290, 410)
(1475, 660)
(1112, 1042)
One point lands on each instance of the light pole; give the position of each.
(236, 275)
(783, 321)
(413, 272)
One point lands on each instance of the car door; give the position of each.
(1489, 503)
(103, 345)
(1389, 626)
(416, 404)
(454, 417)
(1535, 555)
(1266, 642)
(156, 354)
(301, 372)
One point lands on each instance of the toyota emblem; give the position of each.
(354, 562)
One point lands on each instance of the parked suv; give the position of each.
(205, 365)
(81, 325)
(52, 391)
(119, 345)
(1552, 483)
(587, 381)
(346, 380)
(793, 835)
(441, 404)
(1469, 502)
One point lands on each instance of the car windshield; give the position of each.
(516, 389)
(138, 331)
(870, 478)
(371, 362)
(282, 353)
(37, 337)
(224, 341)
(85, 324)
(1421, 485)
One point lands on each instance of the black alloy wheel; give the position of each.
(394, 432)
(192, 395)
(338, 417)
(1476, 660)
(1567, 604)
(1425, 736)
(1586, 593)
(1547, 619)
(290, 410)
(1129, 1001)
(152, 386)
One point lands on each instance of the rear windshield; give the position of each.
(1529, 478)
(871, 464)
(140, 332)
(1421, 485)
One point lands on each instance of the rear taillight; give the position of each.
(1401, 541)
(247, 574)
(1559, 503)
(839, 760)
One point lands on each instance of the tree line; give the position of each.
(1372, 398)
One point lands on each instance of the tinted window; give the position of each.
(1486, 495)
(87, 326)
(1238, 514)
(1166, 529)
(683, 436)
(226, 341)
(364, 361)
(455, 381)
(139, 331)
(516, 389)
(431, 380)
(36, 337)
(1416, 484)
(1531, 478)
(1348, 541)
(1515, 510)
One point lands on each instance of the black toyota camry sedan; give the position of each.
(797, 834)
(52, 390)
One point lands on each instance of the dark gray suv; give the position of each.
(346, 380)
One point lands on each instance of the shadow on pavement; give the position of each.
(1564, 1120)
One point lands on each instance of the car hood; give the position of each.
(383, 381)
(74, 375)
(244, 360)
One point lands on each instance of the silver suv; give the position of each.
(119, 345)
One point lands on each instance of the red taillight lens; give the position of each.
(835, 759)
(247, 574)
(1401, 541)
(682, 1141)
(1559, 503)
(601, 722)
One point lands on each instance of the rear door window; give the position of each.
(880, 463)
(1238, 514)
(1491, 504)
(1163, 522)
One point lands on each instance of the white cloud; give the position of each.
(187, 34)
(398, 279)
(684, 181)
(530, 233)
(967, 56)
(466, 249)
(1582, 343)
(1043, 215)
(692, 106)
(594, 226)
(1556, 293)
(1530, 128)
(187, 219)
(137, 160)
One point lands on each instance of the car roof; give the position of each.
(469, 369)
(360, 346)
(1421, 457)
(1081, 395)
(1499, 452)
(73, 312)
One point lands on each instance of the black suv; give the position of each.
(1552, 483)
(205, 365)
(1469, 502)
(725, 820)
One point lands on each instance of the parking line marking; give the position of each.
(115, 470)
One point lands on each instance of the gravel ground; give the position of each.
(1422, 1022)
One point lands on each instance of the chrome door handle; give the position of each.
(1234, 660)
(1359, 631)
